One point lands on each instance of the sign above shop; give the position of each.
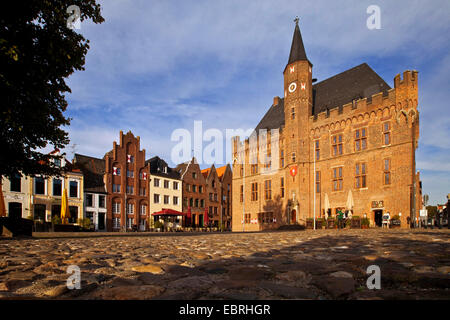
(378, 204)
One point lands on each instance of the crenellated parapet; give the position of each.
(399, 103)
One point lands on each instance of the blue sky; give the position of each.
(155, 66)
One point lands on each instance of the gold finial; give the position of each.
(296, 20)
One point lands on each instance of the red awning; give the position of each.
(168, 212)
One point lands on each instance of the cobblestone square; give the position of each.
(322, 264)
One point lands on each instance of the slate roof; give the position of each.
(274, 117)
(93, 170)
(157, 166)
(356, 83)
(298, 52)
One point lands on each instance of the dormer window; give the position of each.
(57, 162)
(165, 169)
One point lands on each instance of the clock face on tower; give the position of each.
(292, 87)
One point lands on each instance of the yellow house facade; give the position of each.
(46, 195)
(17, 196)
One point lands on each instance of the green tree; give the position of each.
(38, 51)
(432, 211)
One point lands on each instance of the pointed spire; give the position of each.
(297, 49)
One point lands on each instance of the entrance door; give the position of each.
(15, 210)
(378, 217)
(101, 221)
(293, 217)
(200, 221)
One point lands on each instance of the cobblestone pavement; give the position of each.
(322, 264)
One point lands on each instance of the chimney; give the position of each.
(276, 100)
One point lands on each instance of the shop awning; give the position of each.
(168, 212)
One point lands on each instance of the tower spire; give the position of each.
(297, 48)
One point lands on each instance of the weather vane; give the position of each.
(296, 20)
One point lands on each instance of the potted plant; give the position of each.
(356, 222)
(158, 226)
(348, 223)
(331, 223)
(320, 223)
(395, 222)
(56, 220)
(86, 223)
(365, 223)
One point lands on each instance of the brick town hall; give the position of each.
(345, 143)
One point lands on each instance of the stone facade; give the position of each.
(127, 184)
(351, 132)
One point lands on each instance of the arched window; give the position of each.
(130, 207)
(116, 204)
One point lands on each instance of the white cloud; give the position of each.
(155, 66)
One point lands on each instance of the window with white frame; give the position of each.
(39, 185)
(130, 222)
(57, 187)
(116, 223)
(15, 183)
(101, 201)
(143, 209)
(130, 208)
(116, 207)
(89, 200)
(73, 189)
